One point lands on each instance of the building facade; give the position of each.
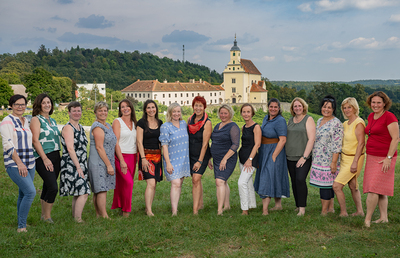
(242, 80)
(182, 93)
(90, 86)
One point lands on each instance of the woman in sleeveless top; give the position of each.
(199, 128)
(124, 128)
(74, 170)
(248, 158)
(46, 142)
(351, 158)
(299, 144)
(148, 144)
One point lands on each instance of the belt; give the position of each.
(266, 140)
(352, 154)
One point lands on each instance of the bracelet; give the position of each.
(201, 162)
(142, 158)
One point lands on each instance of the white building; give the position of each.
(182, 93)
(89, 87)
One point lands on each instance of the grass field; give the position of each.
(280, 234)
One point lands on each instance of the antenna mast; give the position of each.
(183, 54)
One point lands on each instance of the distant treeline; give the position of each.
(117, 69)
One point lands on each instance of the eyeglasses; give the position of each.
(19, 105)
(329, 99)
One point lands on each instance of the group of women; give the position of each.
(332, 151)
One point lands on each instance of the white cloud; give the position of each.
(269, 58)
(362, 43)
(395, 18)
(336, 60)
(164, 53)
(289, 59)
(305, 7)
(284, 48)
(339, 5)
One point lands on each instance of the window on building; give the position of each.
(148, 95)
(233, 62)
(170, 102)
(181, 94)
(211, 94)
(233, 80)
(155, 96)
(198, 94)
(255, 98)
(215, 94)
(163, 95)
(176, 95)
(234, 53)
(215, 101)
(135, 95)
(233, 68)
(169, 95)
(220, 93)
(140, 95)
(181, 102)
(163, 102)
(233, 90)
(187, 102)
(192, 94)
(187, 94)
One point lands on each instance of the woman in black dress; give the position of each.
(150, 168)
(199, 128)
(248, 158)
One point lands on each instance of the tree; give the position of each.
(5, 92)
(40, 81)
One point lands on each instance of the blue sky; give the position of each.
(324, 40)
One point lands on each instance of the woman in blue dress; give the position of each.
(272, 179)
(225, 142)
(174, 140)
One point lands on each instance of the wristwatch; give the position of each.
(250, 159)
(304, 157)
(389, 157)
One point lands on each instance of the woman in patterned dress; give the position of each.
(174, 140)
(74, 171)
(101, 159)
(327, 147)
(46, 143)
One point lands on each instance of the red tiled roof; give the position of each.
(154, 85)
(249, 67)
(257, 88)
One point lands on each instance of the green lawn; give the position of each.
(280, 234)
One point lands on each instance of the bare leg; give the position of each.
(101, 202)
(245, 212)
(278, 204)
(372, 201)
(355, 193)
(176, 187)
(325, 207)
(338, 188)
(227, 205)
(266, 202)
(95, 205)
(46, 210)
(383, 204)
(78, 203)
(220, 194)
(331, 208)
(197, 192)
(149, 195)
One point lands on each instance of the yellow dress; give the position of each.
(349, 148)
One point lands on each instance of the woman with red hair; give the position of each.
(199, 128)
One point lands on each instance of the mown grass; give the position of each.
(280, 234)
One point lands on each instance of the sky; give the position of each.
(324, 40)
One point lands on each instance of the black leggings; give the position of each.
(298, 178)
(50, 186)
(326, 194)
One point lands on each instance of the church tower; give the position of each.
(239, 77)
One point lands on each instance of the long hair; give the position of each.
(37, 104)
(130, 105)
(277, 102)
(144, 117)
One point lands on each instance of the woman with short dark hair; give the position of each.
(46, 142)
(18, 156)
(74, 170)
